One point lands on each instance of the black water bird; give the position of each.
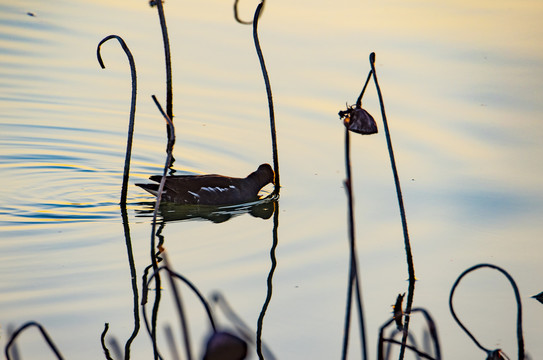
(212, 189)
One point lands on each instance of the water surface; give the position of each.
(461, 83)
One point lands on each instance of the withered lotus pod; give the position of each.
(225, 346)
(358, 120)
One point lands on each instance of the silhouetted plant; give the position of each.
(235, 346)
(358, 120)
(126, 172)
(269, 282)
(103, 342)
(432, 331)
(354, 277)
(154, 255)
(168, 62)
(492, 354)
(43, 332)
(269, 93)
(407, 243)
(242, 329)
(124, 188)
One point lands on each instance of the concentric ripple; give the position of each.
(55, 174)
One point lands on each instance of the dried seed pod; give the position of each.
(358, 120)
(225, 346)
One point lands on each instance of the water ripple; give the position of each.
(58, 175)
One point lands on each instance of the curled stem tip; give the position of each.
(132, 64)
(520, 337)
(43, 332)
(236, 14)
(372, 58)
(121, 41)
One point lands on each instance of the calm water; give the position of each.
(462, 85)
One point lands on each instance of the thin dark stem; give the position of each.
(151, 329)
(412, 348)
(103, 342)
(242, 329)
(520, 337)
(133, 277)
(14, 349)
(431, 328)
(410, 338)
(198, 294)
(348, 306)
(167, 57)
(359, 100)
(354, 280)
(154, 317)
(180, 310)
(126, 172)
(269, 283)
(44, 333)
(172, 274)
(171, 342)
(270, 99)
(410, 266)
(347, 326)
(238, 323)
(380, 343)
(171, 141)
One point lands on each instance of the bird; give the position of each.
(211, 189)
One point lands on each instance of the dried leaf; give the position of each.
(398, 313)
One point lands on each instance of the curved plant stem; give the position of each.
(269, 283)
(42, 331)
(359, 100)
(242, 328)
(133, 277)
(520, 337)
(124, 188)
(431, 330)
(270, 99)
(151, 328)
(103, 342)
(171, 275)
(198, 294)
(180, 309)
(410, 266)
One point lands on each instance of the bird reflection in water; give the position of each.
(262, 208)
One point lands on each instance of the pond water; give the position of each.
(462, 84)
